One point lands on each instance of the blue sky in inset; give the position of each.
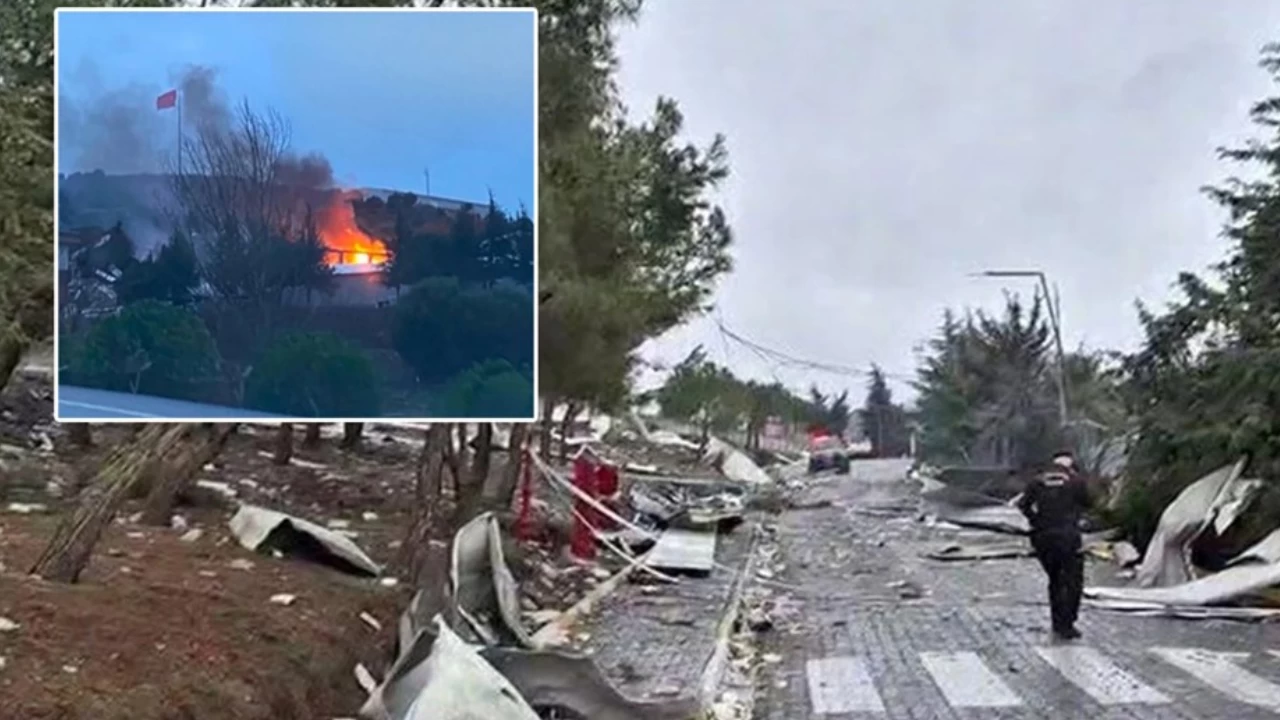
(382, 95)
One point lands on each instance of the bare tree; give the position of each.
(69, 551)
(230, 195)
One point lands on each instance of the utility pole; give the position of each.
(1052, 303)
(426, 173)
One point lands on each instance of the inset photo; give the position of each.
(296, 214)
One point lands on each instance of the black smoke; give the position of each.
(118, 131)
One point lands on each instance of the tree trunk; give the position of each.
(80, 435)
(284, 444)
(544, 439)
(423, 563)
(460, 460)
(451, 461)
(566, 428)
(311, 439)
(352, 433)
(171, 476)
(500, 489)
(471, 490)
(69, 551)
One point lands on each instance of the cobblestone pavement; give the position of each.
(877, 631)
(654, 640)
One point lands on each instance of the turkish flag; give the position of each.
(167, 100)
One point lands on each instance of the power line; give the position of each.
(783, 359)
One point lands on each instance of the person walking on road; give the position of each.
(1055, 502)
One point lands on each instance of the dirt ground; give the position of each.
(163, 626)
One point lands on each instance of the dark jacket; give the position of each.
(1055, 500)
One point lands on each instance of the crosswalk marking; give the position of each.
(966, 681)
(1101, 679)
(843, 684)
(1221, 671)
(839, 685)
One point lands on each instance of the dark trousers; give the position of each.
(1059, 553)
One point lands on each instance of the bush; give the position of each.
(443, 328)
(492, 389)
(313, 375)
(150, 348)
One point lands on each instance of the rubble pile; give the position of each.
(524, 648)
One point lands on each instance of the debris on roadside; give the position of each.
(262, 530)
(953, 553)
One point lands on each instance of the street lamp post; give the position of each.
(1051, 302)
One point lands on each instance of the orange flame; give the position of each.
(347, 243)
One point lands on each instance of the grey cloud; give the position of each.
(883, 150)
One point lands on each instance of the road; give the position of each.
(878, 631)
(78, 403)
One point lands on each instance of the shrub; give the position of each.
(149, 347)
(443, 327)
(492, 389)
(313, 375)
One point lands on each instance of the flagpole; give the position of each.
(179, 104)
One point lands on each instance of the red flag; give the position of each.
(167, 100)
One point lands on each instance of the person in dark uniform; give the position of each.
(1055, 501)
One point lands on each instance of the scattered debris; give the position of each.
(448, 680)
(684, 551)
(483, 586)
(733, 463)
(1215, 499)
(27, 508)
(262, 530)
(191, 535)
(371, 621)
(1254, 570)
(980, 552)
(221, 488)
(7, 625)
(283, 599)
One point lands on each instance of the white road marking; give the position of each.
(839, 685)
(104, 408)
(1102, 679)
(1221, 671)
(966, 681)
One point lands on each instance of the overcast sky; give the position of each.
(882, 151)
(381, 95)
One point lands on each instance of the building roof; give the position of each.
(433, 200)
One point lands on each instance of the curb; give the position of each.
(713, 671)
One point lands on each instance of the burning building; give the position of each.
(353, 225)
